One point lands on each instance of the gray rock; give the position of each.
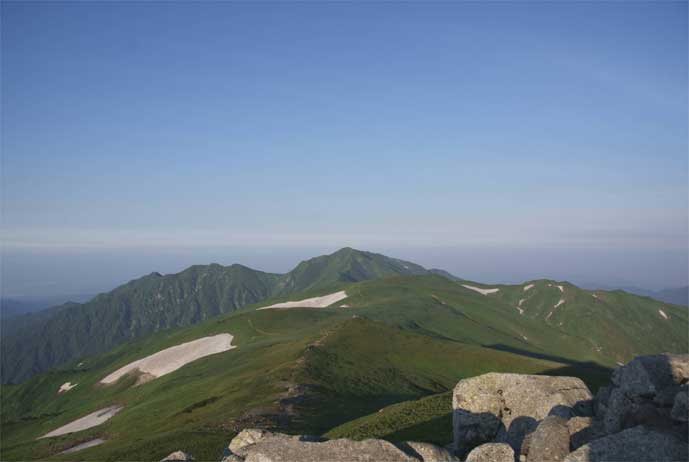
(291, 449)
(178, 456)
(600, 402)
(583, 430)
(550, 441)
(638, 444)
(526, 442)
(428, 452)
(232, 458)
(492, 452)
(248, 437)
(666, 396)
(642, 392)
(680, 407)
(576, 424)
(507, 407)
(646, 375)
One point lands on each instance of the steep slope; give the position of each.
(133, 310)
(32, 344)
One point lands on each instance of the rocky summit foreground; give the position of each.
(642, 416)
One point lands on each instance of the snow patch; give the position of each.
(562, 289)
(87, 444)
(66, 387)
(480, 290)
(662, 313)
(519, 304)
(527, 287)
(315, 302)
(171, 359)
(554, 308)
(92, 420)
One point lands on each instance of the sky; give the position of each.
(500, 141)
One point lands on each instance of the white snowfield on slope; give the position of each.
(480, 290)
(171, 359)
(88, 421)
(315, 302)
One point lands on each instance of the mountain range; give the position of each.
(396, 339)
(34, 344)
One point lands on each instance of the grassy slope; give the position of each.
(33, 344)
(133, 310)
(616, 324)
(426, 419)
(188, 408)
(403, 339)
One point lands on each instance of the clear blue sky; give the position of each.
(501, 141)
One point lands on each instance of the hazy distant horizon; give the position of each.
(500, 141)
(90, 272)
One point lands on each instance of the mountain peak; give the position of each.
(348, 251)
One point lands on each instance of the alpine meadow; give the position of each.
(344, 231)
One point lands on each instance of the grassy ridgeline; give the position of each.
(403, 343)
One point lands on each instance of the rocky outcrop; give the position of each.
(642, 416)
(428, 452)
(638, 444)
(492, 452)
(643, 392)
(178, 456)
(507, 407)
(254, 445)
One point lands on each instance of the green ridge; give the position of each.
(402, 339)
(33, 344)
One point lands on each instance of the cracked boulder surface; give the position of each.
(505, 408)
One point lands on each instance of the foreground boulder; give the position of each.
(680, 407)
(428, 452)
(638, 444)
(506, 407)
(250, 437)
(550, 441)
(263, 446)
(492, 452)
(178, 456)
(644, 392)
(582, 430)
